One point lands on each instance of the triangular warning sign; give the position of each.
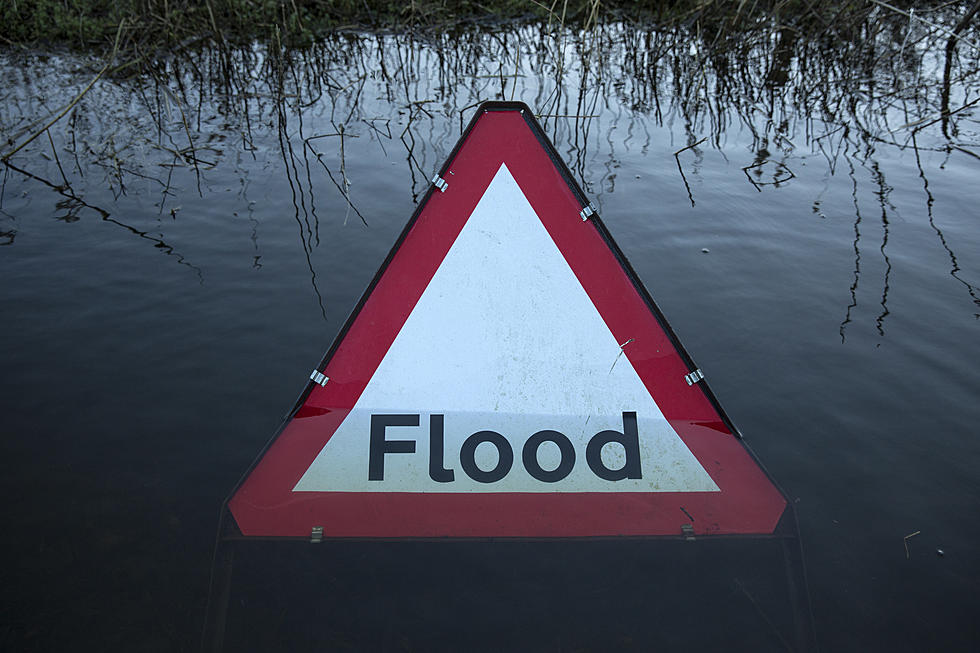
(504, 337)
(506, 375)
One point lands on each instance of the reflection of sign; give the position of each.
(506, 375)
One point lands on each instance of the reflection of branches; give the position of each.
(71, 105)
(6, 235)
(292, 178)
(882, 193)
(677, 158)
(73, 204)
(386, 134)
(593, 88)
(188, 154)
(345, 189)
(758, 77)
(857, 250)
(954, 272)
(781, 174)
(831, 152)
(409, 143)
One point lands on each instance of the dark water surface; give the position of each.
(181, 252)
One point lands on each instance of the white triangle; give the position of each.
(505, 339)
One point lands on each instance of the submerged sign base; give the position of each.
(506, 375)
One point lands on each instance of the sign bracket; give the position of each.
(440, 183)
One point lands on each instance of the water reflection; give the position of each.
(884, 190)
(930, 200)
(857, 250)
(606, 92)
(72, 206)
(680, 168)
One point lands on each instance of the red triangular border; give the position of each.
(748, 503)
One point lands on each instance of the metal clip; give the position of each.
(687, 530)
(316, 536)
(319, 378)
(440, 183)
(694, 376)
(586, 211)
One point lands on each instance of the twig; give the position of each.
(960, 148)
(680, 169)
(922, 124)
(906, 541)
(565, 115)
(343, 191)
(762, 613)
(932, 25)
(775, 182)
(621, 352)
(691, 146)
(57, 160)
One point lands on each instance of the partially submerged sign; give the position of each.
(506, 375)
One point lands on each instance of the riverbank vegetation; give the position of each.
(160, 23)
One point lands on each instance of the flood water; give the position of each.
(180, 249)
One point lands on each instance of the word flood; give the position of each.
(381, 445)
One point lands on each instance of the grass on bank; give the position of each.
(85, 22)
(159, 23)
